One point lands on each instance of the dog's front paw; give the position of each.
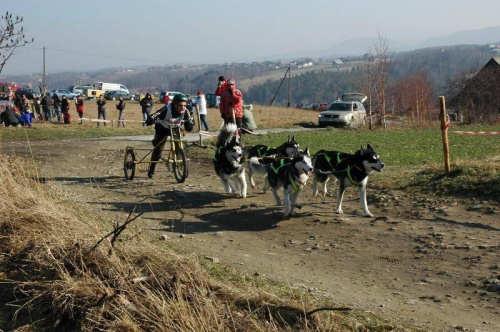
(292, 213)
(339, 211)
(368, 215)
(286, 212)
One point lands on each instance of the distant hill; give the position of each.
(470, 37)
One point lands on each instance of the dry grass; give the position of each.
(265, 116)
(57, 282)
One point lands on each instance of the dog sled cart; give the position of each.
(176, 158)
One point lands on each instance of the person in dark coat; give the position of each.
(9, 117)
(65, 110)
(101, 109)
(47, 107)
(147, 106)
(57, 106)
(121, 112)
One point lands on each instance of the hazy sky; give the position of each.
(91, 34)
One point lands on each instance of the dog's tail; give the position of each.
(226, 134)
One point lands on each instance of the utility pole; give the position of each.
(289, 76)
(251, 89)
(44, 87)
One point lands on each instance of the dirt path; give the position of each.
(422, 260)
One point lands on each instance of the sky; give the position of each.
(90, 35)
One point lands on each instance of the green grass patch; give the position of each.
(396, 147)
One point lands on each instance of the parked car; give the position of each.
(170, 94)
(322, 107)
(343, 114)
(78, 89)
(29, 93)
(62, 93)
(114, 95)
(212, 100)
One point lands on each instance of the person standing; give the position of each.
(231, 104)
(147, 106)
(221, 86)
(47, 107)
(201, 107)
(37, 107)
(65, 110)
(57, 107)
(80, 107)
(24, 105)
(101, 109)
(121, 112)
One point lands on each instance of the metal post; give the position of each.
(444, 132)
(289, 75)
(43, 77)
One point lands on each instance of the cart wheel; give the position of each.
(129, 164)
(180, 165)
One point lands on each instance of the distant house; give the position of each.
(479, 100)
(338, 62)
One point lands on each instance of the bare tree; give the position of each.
(11, 37)
(382, 68)
(412, 96)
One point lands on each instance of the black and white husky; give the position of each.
(289, 173)
(349, 169)
(288, 149)
(228, 161)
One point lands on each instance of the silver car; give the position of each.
(341, 114)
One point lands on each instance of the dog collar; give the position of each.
(217, 152)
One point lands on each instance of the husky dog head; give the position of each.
(303, 163)
(371, 160)
(291, 147)
(234, 152)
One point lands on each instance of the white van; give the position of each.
(111, 87)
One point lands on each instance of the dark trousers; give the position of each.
(157, 150)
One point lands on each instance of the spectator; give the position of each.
(26, 119)
(201, 107)
(24, 105)
(147, 106)
(65, 110)
(57, 107)
(101, 109)
(9, 117)
(231, 104)
(47, 107)
(37, 108)
(175, 112)
(80, 107)
(221, 86)
(121, 112)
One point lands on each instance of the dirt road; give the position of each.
(428, 261)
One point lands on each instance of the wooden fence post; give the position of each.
(444, 132)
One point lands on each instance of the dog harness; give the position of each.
(263, 154)
(293, 181)
(347, 170)
(328, 159)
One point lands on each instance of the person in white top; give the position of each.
(201, 106)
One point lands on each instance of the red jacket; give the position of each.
(231, 99)
(220, 89)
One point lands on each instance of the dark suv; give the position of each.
(29, 93)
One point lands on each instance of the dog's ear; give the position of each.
(293, 138)
(362, 150)
(306, 151)
(288, 139)
(369, 147)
